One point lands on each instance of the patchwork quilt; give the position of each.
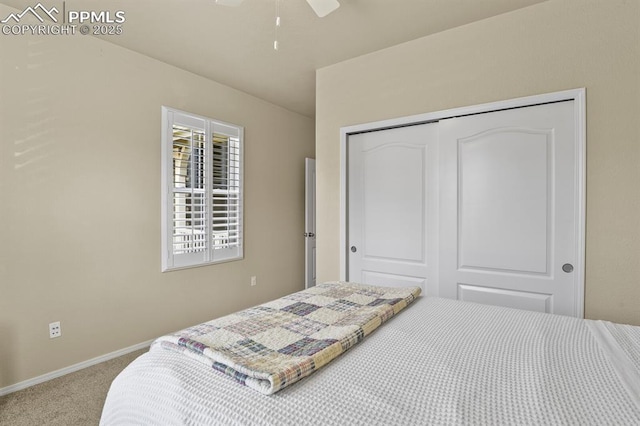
(273, 345)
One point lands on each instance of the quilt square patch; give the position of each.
(249, 327)
(334, 332)
(294, 372)
(303, 326)
(298, 296)
(337, 292)
(256, 311)
(325, 315)
(320, 300)
(192, 345)
(306, 347)
(246, 348)
(276, 338)
(219, 338)
(361, 299)
(371, 293)
(379, 302)
(351, 339)
(343, 305)
(300, 308)
(356, 319)
(279, 317)
(278, 304)
(229, 371)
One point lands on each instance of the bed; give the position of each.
(438, 361)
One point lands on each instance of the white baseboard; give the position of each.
(72, 368)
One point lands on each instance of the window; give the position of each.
(201, 190)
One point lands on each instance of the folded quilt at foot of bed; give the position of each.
(273, 345)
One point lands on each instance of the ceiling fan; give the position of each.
(321, 7)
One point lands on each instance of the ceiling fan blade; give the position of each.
(323, 7)
(229, 2)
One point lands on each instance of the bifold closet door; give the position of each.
(508, 208)
(390, 215)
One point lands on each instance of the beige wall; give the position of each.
(80, 202)
(553, 46)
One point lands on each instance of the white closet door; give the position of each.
(391, 233)
(508, 208)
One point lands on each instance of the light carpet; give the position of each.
(73, 399)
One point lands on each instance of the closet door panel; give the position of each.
(508, 208)
(391, 176)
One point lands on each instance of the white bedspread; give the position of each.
(440, 362)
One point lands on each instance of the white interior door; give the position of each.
(391, 233)
(508, 208)
(310, 223)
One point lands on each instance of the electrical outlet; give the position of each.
(55, 330)
(254, 281)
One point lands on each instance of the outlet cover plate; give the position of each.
(55, 330)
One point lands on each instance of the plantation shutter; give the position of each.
(202, 190)
(226, 192)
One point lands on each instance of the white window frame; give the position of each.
(211, 251)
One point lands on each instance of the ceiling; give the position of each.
(234, 45)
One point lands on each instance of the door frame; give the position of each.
(309, 222)
(578, 96)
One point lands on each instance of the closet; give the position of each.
(483, 205)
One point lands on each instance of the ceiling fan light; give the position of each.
(323, 7)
